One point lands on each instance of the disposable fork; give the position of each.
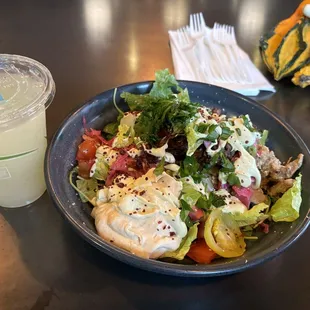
(221, 66)
(225, 35)
(186, 45)
(197, 31)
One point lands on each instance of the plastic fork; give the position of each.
(225, 35)
(186, 46)
(198, 30)
(221, 67)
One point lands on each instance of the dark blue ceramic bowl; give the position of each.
(60, 158)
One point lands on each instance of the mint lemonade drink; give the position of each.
(26, 90)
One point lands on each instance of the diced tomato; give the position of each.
(196, 214)
(86, 150)
(84, 168)
(244, 194)
(201, 253)
(265, 227)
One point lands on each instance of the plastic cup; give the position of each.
(26, 90)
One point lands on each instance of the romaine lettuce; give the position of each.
(286, 208)
(185, 245)
(253, 216)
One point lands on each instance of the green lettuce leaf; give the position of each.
(185, 245)
(137, 102)
(124, 137)
(264, 137)
(160, 167)
(194, 138)
(183, 95)
(87, 188)
(185, 209)
(162, 86)
(253, 216)
(190, 167)
(111, 128)
(161, 108)
(286, 208)
(101, 170)
(189, 194)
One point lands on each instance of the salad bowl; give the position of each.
(99, 111)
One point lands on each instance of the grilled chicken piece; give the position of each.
(271, 167)
(287, 171)
(280, 187)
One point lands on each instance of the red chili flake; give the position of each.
(120, 185)
(164, 227)
(135, 212)
(159, 222)
(111, 241)
(143, 210)
(142, 193)
(172, 233)
(169, 227)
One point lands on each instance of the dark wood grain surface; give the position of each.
(94, 45)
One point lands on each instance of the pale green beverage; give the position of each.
(26, 88)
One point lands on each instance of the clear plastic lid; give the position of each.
(26, 88)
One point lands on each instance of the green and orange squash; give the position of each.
(286, 49)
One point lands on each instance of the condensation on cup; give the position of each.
(26, 90)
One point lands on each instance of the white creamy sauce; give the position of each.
(142, 217)
(245, 165)
(161, 152)
(233, 204)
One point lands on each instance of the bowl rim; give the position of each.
(160, 266)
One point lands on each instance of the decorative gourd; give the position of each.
(302, 77)
(286, 49)
(294, 51)
(271, 41)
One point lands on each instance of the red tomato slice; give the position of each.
(84, 168)
(196, 214)
(201, 253)
(86, 150)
